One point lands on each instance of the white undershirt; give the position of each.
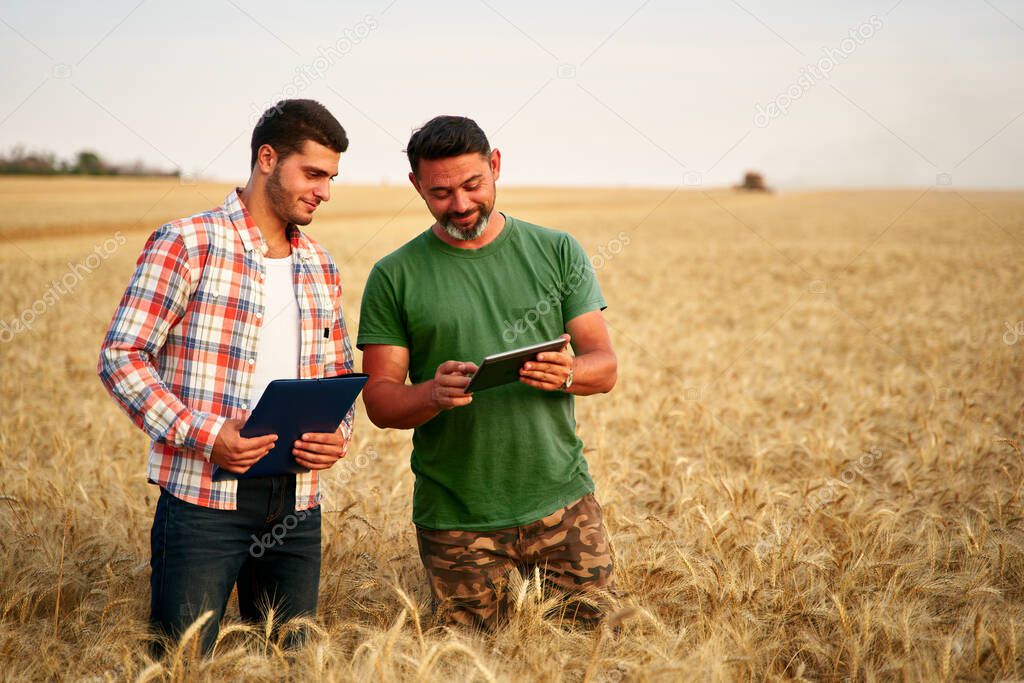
(277, 352)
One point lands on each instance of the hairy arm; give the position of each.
(390, 402)
(595, 367)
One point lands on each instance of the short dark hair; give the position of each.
(446, 136)
(289, 123)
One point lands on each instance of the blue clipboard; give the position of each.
(290, 408)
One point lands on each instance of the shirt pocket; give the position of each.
(323, 305)
(215, 288)
(323, 316)
(539, 321)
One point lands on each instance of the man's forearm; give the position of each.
(399, 406)
(594, 373)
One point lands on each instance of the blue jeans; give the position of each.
(271, 551)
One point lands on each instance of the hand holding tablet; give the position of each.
(503, 368)
(551, 370)
(290, 408)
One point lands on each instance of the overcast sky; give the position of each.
(574, 93)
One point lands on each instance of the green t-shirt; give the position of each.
(511, 456)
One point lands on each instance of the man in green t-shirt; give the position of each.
(501, 481)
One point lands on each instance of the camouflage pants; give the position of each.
(468, 570)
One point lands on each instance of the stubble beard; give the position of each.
(281, 201)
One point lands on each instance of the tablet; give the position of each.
(503, 368)
(291, 408)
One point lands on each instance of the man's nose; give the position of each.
(323, 191)
(460, 202)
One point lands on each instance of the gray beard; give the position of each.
(464, 235)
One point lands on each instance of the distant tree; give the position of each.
(89, 163)
(28, 163)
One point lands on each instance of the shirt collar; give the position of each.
(249, 232)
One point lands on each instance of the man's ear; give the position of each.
(266, 158)
(495, 163)
(415, 181)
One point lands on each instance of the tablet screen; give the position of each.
(503, 368)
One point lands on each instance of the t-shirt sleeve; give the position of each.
(380, 317)
(582, 294)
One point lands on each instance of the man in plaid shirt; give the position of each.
(220, 304)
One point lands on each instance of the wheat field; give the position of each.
(811, 465)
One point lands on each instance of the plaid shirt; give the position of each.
(180, 352)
